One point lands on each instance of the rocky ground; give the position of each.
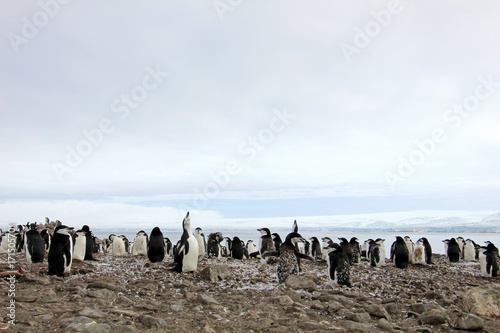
(129, 294)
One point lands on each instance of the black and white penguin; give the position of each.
(19, 238)
(265, 241)
(419, 252)
(236, 249)
(365, 248)
(202, 243)
(186, 258)
(251, 247)
(46, 238)
(453, 250)
(90, 243)
(117, 245)
(61, 251)
(338, 266)
(411, 248)
(315, 248)
(377, 253)
(4, 242)
(79, 245)
(126, 243)
(156, 246)
(288, 257)
(469, 250)
(461, 243)
(168, 246)
(355, 249)
(346, 247)
(214, 248)
(35, 247)
(229, 247)
(399, 253)
(140, 246)
(277, 240)
(327, 246)
(428, 251)
(489, 261)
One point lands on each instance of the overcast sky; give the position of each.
(236, 109)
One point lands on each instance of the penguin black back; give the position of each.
(35, 246)
(399, 253)
(237, 249)
(346, 247)
(156, 246)
(89, 243)
(338, 266)
(453, 250)
(60, 252)
(428, 251)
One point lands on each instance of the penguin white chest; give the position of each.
(190, 260)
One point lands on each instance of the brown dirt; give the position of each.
(129, 294)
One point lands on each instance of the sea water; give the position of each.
(434, 238)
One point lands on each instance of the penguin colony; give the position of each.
(62, 245)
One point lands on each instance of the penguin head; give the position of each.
(186, 223)
(264, 231)
(64, 230)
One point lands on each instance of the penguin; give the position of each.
(168, 246)
(461, 243)
(288, 257)
(79, 245)
(469, 250)
(327, 246)
(4, 242)
(186, 259)
(46, 239)
(295, 227)
(453, 250)
(156, 246)
(117, 245)
(445, 243)
(140, 246)
(377, 253)
(419, 255)
(356, 250)
(237, 249)
(229, 247)
(315, 248)
(202, 244)
(266, 241)
(19, 238)
(489, 261)
(251, 247)
(364, 248)
(245, 249)
(90, 243)
(35, 247)
(277, 240)
(399, 253)
(214, 249)
(126, 243)
(428, 251)
(411, 248)
(344, 243)
(61, 251)
(338, 266)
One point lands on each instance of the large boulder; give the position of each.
(483, 301)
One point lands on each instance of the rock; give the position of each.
(421, 329)
(206, 299)
(311, 326)
(110, 286)
(377, 310)
(432, 320)
(41, 280)
(393, 308)
(317, 305)
(385, 325)
(150, 321)
(418, 308)
(123, 301)
(361, 317)
(125, 329)
(465, 321)
(283, 300)
(301, 282)
(101, 293)
(176, 307)
(352, 326)
(334, 306)
(483, 301)
(84, 324)
(215, 273)
(92, 313)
